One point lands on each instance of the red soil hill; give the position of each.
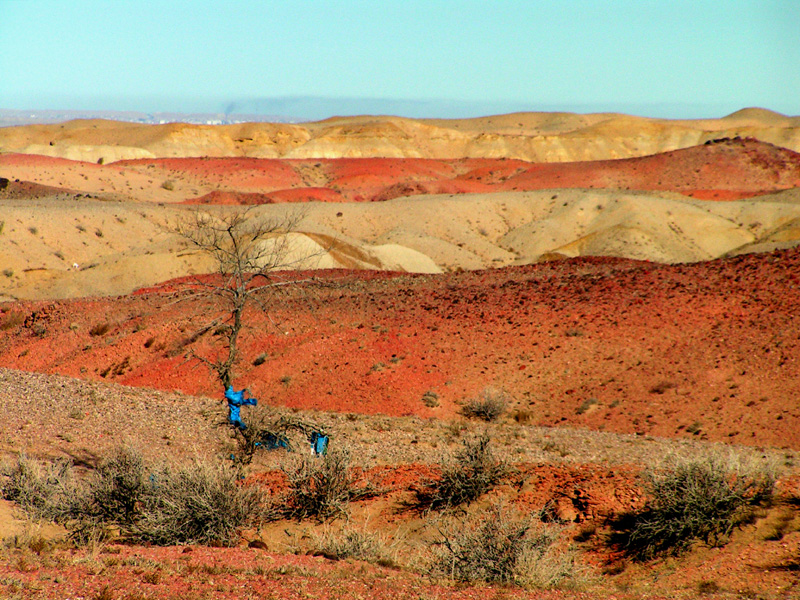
(707, 350)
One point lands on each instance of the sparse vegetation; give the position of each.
(322, 488)
(700, 500)
(465, 477)
(488, 406)
(168, 185)
(498, 548)
(430, 399)
(164, 505)
(350, 542)
(8, 272)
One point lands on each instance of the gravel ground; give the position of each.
(49, 416)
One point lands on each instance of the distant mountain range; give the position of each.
(298, 109)
(10, 118)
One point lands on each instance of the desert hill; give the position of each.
(534, 137)
(722, 168)
(62, 246)
(708, 350)
(628, 287)
(115, 221)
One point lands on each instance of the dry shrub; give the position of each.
(117, 489)
(359, 544)
(167, 505)
(43, 489)
(199, 504)
(488, 406)
(497, 548)
(321, 487)
(703, 499)
(465, 477)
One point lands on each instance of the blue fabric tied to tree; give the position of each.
(235, 401)
(270, 441)
(319, 443)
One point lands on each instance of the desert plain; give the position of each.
(628, 287)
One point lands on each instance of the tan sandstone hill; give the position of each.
(537, 137)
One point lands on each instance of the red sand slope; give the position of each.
(708, 350)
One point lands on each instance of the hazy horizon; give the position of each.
(313, 59)
(309, 108)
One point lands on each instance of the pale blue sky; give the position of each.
(670, 58)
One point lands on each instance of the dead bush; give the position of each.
(199, 504)
(321, 487)
(349, 542)
(465, 477)
(497, 548)
(703, 499)
(42, 489)
(488, 406)
(167, 505)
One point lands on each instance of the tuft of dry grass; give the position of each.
(488, 406)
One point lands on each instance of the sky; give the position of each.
(418, 58)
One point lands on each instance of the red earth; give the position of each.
(725, 169)
(704, 351)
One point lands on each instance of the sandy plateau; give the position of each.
(630, 286)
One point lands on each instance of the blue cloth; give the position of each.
(319, 443)
(235, 401)
(270, 441)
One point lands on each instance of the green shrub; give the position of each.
(497, 548)
(700, 500)
(465, 477)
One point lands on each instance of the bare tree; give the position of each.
(250, 254)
